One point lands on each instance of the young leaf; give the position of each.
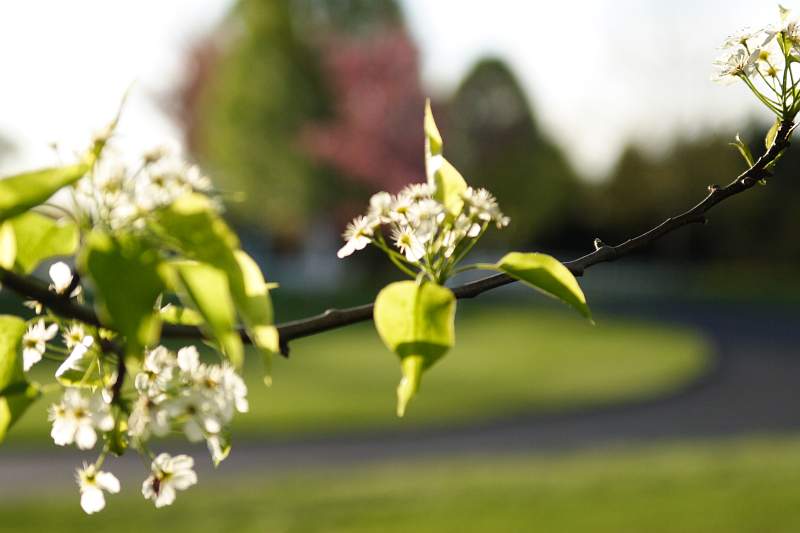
(772, 133)
(433, 139)
(206, 289)
(16, 394)
(744, 150)
(546, 274)
(447, 181)
(175, 314)
(450, 184)
(415, 321)
(39, 237)
(125, 275)
(21, 192)
(251, 294)
(204, 236)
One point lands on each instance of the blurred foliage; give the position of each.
(644, 190)
(495, 142)
(255, 83)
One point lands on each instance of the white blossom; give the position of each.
(74, 335)
(61, 275)
(168, 474)
(34, 342)
(357, 235)
(76, 418)
(409, 244)
(737, 63)
(92, 483)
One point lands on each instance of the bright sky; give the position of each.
(598, 72)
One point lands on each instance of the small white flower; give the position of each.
(92, 483)
(188, 360)
(409, 244)
(74, 335)
(380, 204)
(76, 417)
(357, 235)
(168, 475)
(73, 361)
(61, 275)
(738, 63)
(157, 371)
(417, 191)
(34, 342)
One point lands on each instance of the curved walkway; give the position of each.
(754, 388)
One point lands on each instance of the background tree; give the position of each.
(497, 144)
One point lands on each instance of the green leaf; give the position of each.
(16, 394)
(772, 133)
(175, 314)
(450, 185)
(417, 322)
(23, 191)
(203, 236)
(744, 150)
(194, 225)
(39, 237)
(251, 294)
(433, 139)
(206, 289)
(8, 246)
(124, 271)
(447, 181)
(547, 274)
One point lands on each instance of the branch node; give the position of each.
(713, 188)
(598, 243)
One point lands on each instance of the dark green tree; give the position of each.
(495, 141)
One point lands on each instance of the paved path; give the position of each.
(755, 387)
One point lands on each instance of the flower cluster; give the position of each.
(118, 196)
(763, 59)
(173, 392)
(178, 392)
(425, 237)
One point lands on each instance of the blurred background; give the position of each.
(677, 412)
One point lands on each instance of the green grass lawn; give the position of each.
(507, 360)
(722, 487)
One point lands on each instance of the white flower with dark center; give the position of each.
(357, 235)
(148, 417)
(408, 243)
(92, 483)
(61, 275)
(169, 474)
(76, 417)
(197, 414)
(157, 372)
(73, 362)
(34, 342)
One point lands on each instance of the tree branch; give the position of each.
(335, 318)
